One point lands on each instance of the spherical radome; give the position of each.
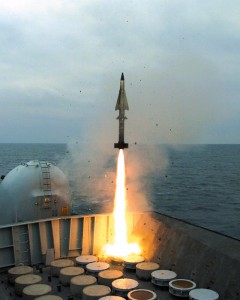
(32, 191)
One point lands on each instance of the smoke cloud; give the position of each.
(142, 163)
(92, 176)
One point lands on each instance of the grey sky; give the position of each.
(61, 63)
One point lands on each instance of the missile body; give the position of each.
(121, 105)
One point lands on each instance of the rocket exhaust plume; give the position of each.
(120, 246)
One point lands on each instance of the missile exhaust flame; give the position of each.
(120, 247)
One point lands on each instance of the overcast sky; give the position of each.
(61, 62)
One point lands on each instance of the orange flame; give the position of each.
(120, 247)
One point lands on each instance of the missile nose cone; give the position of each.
(122, 99)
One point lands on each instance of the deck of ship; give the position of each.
(210, 259)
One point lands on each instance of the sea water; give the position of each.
(200, 185)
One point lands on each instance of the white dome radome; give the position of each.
(32, 191)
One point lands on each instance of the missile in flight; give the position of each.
(121, 105)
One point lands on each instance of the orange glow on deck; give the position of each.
(120, 246)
